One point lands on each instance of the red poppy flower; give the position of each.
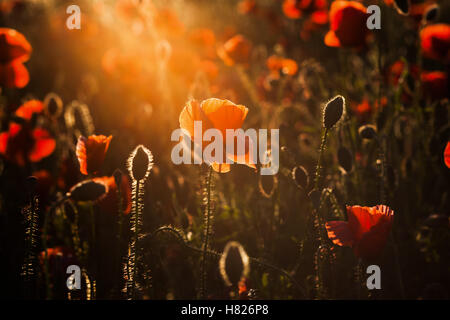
(22, 143)
(347, 25)
(435, 41)
(14, 51)
(286, 66)
(435, 84)
(30, 107)
(293, 8)
(221, 115)
(447, 155)
(235, 50)
(109, 203)
(91, 152)
(366, 230)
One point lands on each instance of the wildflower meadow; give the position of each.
(224, 150)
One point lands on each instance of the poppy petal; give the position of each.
(14, 75)
(331, 39)
(43, 147)
(340, 233)
(446, 155)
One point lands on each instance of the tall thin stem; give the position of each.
(207, 232)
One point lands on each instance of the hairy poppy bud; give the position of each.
(87, 190)
(402, 6)
(367, 131)
(53, 105)
(234, 264)
(431, 14)
(345, 159)
(140, 163)
(333, 111)
(301, 177)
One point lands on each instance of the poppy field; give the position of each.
(320, 158)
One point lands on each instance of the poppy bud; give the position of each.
(234, 264)
(53, 105)
(333, 111)
(267, 185)
(140, 163)
(367, 131)
(345, 159)
(87, 190)
(402, 6)
(301, 177)
(431, 14)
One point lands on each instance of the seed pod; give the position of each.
(87, 190)
(345, 159)
(367, 131)
(402, 6)
(140, 163)
(301, 177)
(234, 264)
(431, 14)
(333, 111)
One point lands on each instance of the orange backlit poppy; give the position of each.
(366, 230)
(447, 155)
(235, 50)
(91, 152)
(435, 84)
(435, 42)
(109, 203)
(278, 64)
(14, 51)
(221, 115)
(347, 25)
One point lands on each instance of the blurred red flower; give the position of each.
(22, 142)
(235, 50)
(366, 230)
(14, 51)
(347, 25)
(91, 152)
(435, 41)
(29, 108)
(246, 6)
(110, 202)
(435, 84)
(447, 155)
(278, 64)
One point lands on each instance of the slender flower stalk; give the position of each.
(207, 231)
(140, 164)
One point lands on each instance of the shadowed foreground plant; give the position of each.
(139, 165)
(30, 212)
